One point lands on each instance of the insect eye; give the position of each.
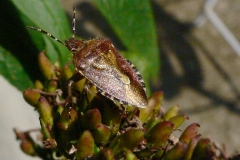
(71, 46)
(73, 49)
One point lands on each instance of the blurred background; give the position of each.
(199, 68)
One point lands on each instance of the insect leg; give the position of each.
(90, 90)
(75, 78)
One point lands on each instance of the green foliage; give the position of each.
(20, 46)
(11, 69)
(47, 15)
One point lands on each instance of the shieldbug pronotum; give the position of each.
(100, 63)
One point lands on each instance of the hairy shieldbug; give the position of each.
(100, 63)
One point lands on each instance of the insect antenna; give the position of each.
(40, 30)
(74, 22)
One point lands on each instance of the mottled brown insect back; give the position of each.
(113, 75)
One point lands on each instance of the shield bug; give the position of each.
(100, 63)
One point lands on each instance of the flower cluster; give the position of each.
(90, 126)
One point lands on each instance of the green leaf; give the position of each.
(13, 71)
(25, 44)
(133, 23)
(49, 16)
